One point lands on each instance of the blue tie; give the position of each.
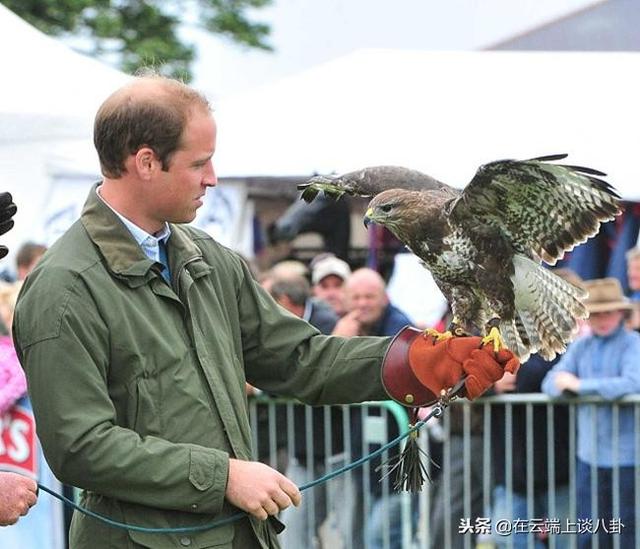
(166, 274)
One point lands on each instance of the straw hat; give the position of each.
(605, 294)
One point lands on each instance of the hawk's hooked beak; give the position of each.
(368, 218)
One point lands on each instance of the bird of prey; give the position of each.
(485, 245)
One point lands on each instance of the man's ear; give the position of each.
(146, 162)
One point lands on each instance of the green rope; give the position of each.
(436, 411)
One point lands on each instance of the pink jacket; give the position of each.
(13, 383)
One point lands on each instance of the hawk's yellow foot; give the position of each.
(438, 336)
(494, 338)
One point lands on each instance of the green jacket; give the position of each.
(139, 388)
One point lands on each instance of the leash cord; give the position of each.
(436, 411)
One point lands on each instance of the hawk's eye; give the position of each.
(386, 208)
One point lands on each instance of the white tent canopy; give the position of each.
(441, 112)
(48, 100)
(444, 113)
(49, 90)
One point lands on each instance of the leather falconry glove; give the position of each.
(416, 368)
(7, 211)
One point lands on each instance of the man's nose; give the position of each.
(210, 178)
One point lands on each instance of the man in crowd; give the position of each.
(633, 272)
(294, 294)
(331, 516)
(138, 333)
(27, 257)
(633, 278)
(328, 275)
(369, 311)
(605, 364)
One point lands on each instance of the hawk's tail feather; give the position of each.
(547, 311)
(512, 337)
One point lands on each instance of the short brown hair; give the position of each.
(28, 252)
(129, 120)
(296, 288)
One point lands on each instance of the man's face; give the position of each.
(179, 191)
(331, 290)
(633, 274)
(368, 298)
(605, 323)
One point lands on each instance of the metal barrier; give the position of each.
(457, 509)
(305, 443)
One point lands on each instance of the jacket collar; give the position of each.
(121, 252)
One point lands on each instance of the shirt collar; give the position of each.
(307, 310)
(148, 242)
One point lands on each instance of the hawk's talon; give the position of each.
(494, 337)
(436, 335)
(455, 327)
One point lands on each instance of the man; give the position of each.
(633, 278)
(633, 272)
(328, 275)
(17, 495)
(27, 256)
(294, 294)
(369, 311)
(605, 364)
(17, 492)
(138, 334)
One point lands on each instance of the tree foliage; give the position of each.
(142, 33)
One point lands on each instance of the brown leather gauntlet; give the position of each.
(416, 368)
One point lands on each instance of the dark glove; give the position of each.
(436, 366)
(7, 211)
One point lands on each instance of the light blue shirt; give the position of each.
(148, 242)
(608, 367)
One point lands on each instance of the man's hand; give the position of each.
(7, 211)
(259, 490)
(505, 384)
(17, 496)
(566, 381)
(349, 325)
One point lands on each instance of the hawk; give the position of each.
(485, 245)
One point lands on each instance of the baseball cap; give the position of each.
(329, 265)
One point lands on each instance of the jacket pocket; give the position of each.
(143, 412)
(221, 538)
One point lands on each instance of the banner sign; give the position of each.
(18, 442)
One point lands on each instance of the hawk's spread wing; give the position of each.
(368, 182)
(545, 209)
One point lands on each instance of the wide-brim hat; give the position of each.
(605, 294)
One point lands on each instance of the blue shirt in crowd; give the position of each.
(391, 322)
(608, 367)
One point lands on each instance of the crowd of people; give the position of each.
(600, 362)
(136, 341)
